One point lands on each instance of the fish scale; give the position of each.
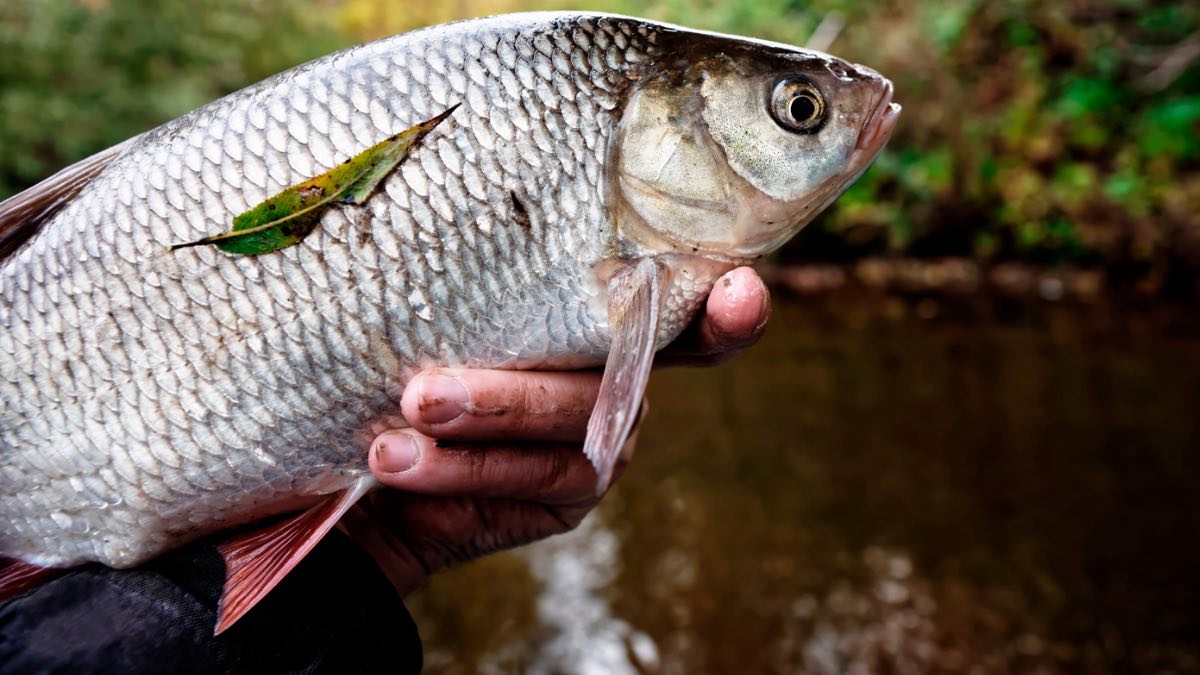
(228, 388)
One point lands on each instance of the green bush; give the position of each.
(79, 76)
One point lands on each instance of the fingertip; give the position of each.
(410, 399)
(396, 452)
(435, 396)
(740, 305)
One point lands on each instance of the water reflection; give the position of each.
(583, 636)
(881, 486)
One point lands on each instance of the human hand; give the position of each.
(507, 467)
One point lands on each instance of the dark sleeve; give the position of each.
(335, 612)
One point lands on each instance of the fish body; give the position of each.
(150, 396)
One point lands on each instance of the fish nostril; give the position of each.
(837, 70)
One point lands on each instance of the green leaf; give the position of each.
(288, 217)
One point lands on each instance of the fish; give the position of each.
(594, 175)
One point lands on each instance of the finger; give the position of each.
(445, 531)
(736, 313)
(412, 536)
(378, 535)
(476, 405)
(546, 473)
(733, 319)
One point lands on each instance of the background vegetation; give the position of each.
(1053, 133)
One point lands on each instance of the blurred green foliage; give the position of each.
(79, 76)
(1048, 132)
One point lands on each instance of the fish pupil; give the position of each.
(802, 109)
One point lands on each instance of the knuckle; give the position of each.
(529, 395)
(481, 468)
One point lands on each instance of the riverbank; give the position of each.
(964, 277)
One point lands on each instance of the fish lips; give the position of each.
(879, 126)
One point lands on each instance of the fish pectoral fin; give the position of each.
(256, 561)
(634, 305)
(18, 576)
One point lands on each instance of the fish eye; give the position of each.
(797, 105)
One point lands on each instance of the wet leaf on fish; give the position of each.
(290, 216)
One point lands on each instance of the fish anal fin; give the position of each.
(257, 560)
(634, 306)
(17, 576)
(23, 214)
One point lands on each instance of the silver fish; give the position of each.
(600, 174)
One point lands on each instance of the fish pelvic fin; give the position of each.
(257, 560)
(634, 306)
(18, 576)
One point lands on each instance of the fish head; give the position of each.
(729, 149)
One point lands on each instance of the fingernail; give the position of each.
(765, 312)
(443, 399)
(396, 452)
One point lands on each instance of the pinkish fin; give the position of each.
(256, 561)
(634, 306)
(23, 214)
(17, 576)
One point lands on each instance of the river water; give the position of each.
(881, 486)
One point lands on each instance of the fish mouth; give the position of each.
(880, 124)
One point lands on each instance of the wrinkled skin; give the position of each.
(495, 481)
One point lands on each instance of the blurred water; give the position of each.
(881, 486)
